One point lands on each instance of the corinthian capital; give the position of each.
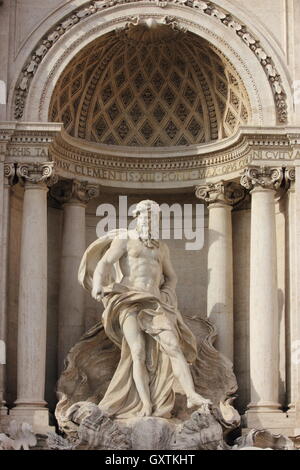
(36, 173)
(262, 177)
(224, 192)
(74, 191)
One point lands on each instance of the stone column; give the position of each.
(296, 361)
(9, 173)
(32, 319)
(220, 198)
(74, 196)
(293, 343)
(264, 322)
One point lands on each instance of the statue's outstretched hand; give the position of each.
(97, 293)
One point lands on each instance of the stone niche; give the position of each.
(152, 87)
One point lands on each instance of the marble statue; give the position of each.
(142, 360)
(141, 317)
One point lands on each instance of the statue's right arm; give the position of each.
(103, 268)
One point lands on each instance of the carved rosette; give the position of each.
(9, 173)
(74, 191)
(262, 177)
(224, 192)
(36, 173)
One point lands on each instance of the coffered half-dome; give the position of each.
(150, 87)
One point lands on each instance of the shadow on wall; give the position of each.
(283, 399)
(213, 236)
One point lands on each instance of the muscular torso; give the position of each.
(142, 266)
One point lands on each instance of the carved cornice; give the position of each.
(74, 191)
(174, 167)
(225, 193)
(206, 8)
(27, 142)
(170, 167)
(262, 177)
(36, 173)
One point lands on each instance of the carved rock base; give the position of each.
(95, 430)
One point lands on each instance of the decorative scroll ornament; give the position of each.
(9, 172)
(37, 173)
(207, 8)
(73, 191)
(264, 177)
(290, 174)
(229, 193)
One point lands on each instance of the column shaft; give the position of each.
(263, 409)
(71, 298)
(33, 298)
(221, 197)
(264, 322)
(291, 334)
(297, 300)
(32, 317)
(8, 173)
(73, 195)
(220, 285)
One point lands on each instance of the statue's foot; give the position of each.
(145, 411)
(197, 400)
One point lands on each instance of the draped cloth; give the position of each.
(154, 315)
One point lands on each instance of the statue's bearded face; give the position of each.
(147, 226)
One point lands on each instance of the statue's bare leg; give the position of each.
(181, 369)
(136, 342)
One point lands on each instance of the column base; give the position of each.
(37, 417)
(273, 420)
